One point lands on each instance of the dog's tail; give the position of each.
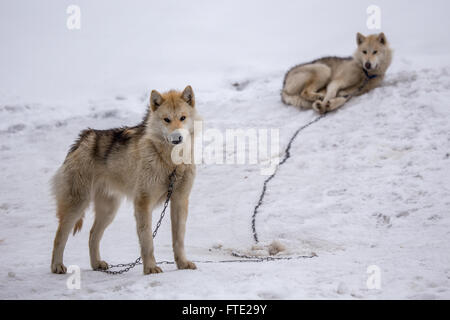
(295, 100)
(78, 225)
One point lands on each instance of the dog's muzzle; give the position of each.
(175, 138)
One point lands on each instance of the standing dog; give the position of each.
(136, 162)
(327, 83)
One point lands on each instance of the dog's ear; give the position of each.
(382, 38)
(155, 100)
(360, 38)
(188, 96)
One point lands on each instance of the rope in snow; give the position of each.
(287, 155)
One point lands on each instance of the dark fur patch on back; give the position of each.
(113, 140)
(108, 141)
(116, 138)
(81, 137)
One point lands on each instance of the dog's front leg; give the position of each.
(178, 215)
(332, 90)
(143, 206)
(336, 103)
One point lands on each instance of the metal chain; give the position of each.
(138, 261)
(265, 259)
(172, 178)
(287, 155)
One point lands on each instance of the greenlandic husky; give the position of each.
(327, 83)
(104, 165)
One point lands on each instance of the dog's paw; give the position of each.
(59, 268)
(100, 265)
(150, 270)
(335, 103)
(186, 265)
(321, 107)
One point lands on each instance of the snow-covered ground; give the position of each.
(366, 185)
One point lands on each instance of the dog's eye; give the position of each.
(365, 52)
(375, 52)
(167, 120)
(182, 118)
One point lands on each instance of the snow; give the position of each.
(366, 185)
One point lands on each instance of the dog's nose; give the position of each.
(368, 65)
(180, 139)
(176, 138)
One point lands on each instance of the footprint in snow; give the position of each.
(16, 128)
(239, 86)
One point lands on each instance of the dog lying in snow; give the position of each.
(327, 83)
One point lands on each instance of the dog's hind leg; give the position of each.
(296, 81)
(305, 85)
(295, 100)
(319, 77)
(69, 212)
(105, 207)
(293, 86)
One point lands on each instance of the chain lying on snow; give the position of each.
(243, 258)
(287, 155)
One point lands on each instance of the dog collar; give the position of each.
(370, 77)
